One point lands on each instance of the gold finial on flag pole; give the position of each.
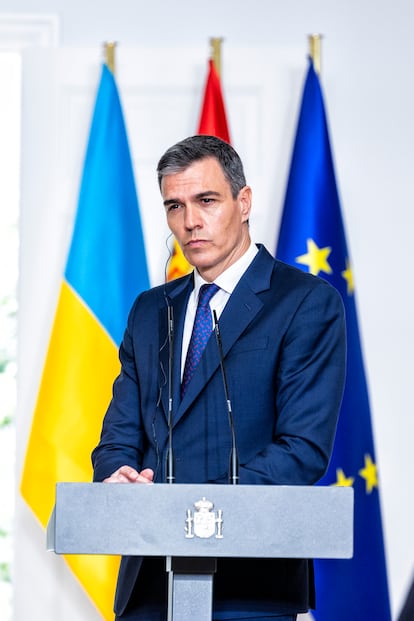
(109, 48)
(215, 43)
(315, 51)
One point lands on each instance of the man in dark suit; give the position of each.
(407, 612)
(283, 339)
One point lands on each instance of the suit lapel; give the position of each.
(178, 293)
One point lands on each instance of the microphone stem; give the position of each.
(234, 461)
(169, 465)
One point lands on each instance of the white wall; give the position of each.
(368, 55)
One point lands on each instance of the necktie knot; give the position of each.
(202, 328)
(206, 293)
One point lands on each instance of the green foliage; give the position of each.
(5, 574)
(8, 326)
(6, 421)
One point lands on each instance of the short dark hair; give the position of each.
(184, 153)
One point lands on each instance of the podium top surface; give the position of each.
(202, 520)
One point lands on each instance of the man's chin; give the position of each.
(197, 257)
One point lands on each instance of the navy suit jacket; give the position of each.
(283, 337)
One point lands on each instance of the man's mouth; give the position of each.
(196, 243)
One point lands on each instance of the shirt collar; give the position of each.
(228, 279)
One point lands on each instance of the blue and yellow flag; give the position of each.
(312, 238)
(105, 271)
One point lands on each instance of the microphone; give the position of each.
(169, 462)
(234, 460)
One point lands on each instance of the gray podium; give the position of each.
(193, 525)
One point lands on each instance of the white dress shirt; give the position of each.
(227, 282)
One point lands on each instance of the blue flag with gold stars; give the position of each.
(312, 238)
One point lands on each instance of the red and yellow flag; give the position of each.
(212, 122)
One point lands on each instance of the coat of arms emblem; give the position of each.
(204, 522)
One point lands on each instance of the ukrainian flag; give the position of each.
(105, 271)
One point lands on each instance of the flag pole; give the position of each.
(315, 51)
(215, 44)
(109, 51)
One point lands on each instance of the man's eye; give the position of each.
(207, 201)
(173, 206)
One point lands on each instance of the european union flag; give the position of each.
(312, 238)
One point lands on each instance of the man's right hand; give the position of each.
(127, 474)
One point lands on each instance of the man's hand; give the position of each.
(126, 474)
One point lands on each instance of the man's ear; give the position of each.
(245, 202)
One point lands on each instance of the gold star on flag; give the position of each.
(369, 473)
(316, 258)
(342, 480)
(349, 277)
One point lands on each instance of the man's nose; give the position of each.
(192, 218)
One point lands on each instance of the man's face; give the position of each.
(208, 223)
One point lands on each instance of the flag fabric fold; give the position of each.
(312, 238)
(106, 269)
(212, 122)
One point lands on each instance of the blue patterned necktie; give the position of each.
(202, 328)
